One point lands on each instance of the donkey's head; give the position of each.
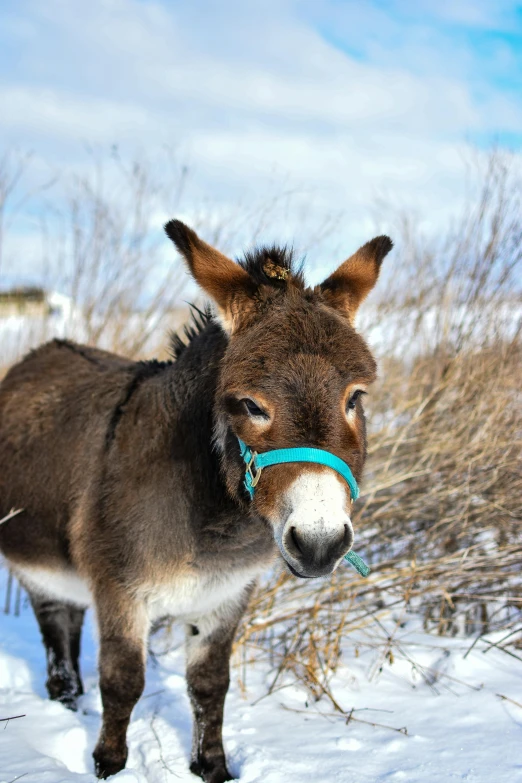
(292, 376)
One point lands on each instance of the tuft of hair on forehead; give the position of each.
(273, 266)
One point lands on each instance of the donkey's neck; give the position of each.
(193, 382)
(224, 526)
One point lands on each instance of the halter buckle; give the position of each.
(253, 477)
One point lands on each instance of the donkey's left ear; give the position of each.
(346, 288)
(226, 282)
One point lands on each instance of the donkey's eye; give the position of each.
(253, 409)
(350, 405)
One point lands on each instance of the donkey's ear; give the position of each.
(346, 288)
(225, 281)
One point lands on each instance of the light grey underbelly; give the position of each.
(64, 585)
(185, 596)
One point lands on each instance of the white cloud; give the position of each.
(47, 114)
(252, 92)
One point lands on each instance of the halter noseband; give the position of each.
(255, 463)
(302, 454)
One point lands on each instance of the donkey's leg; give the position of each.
(63, 683)
(123, 627)
(76, 616)
(208, 676)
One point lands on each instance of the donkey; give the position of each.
(139, 487)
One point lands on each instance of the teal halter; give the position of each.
(255, 463)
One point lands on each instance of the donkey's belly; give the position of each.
(192, 596)
(187, 596)
(61, 585)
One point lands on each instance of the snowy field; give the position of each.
(459, 726)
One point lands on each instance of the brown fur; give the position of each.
(129, 475)
(351, 283)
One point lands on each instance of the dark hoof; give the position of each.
(211, 772)
(107, 763)
(71, 702)
(66, 690)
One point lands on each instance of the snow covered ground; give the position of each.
(458, 726)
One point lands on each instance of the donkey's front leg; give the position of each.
(208, 677)
(123, 628)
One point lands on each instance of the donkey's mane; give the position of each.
(197, 323)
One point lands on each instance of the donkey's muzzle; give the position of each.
(314, 553)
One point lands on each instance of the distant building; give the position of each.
(33, 302)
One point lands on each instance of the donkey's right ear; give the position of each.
(229, 285)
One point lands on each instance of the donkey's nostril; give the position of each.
(348, 536)
(295, 539)
(294, 543)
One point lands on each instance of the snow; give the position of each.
(458, 726)
(21, 333)
(428, 328)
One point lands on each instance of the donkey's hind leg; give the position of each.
(76, 616)
(61, 638)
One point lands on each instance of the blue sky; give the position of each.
(352, 105)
